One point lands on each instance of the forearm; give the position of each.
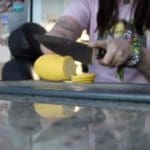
(65, 27)
(144, 64)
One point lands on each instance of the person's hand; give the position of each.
(118, 51)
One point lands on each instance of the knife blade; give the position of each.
(62, 46)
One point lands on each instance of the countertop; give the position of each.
(98, 94)
(106, 116)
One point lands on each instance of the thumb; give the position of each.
(99, 44)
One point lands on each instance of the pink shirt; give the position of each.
(85, 12)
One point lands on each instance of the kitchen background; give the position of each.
(46, 12)
(12, 14)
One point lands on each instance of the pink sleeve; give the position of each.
(80, 11)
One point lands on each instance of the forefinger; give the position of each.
(100, 44)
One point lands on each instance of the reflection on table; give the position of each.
(35, 126)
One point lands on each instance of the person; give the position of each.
(121, 27)
(104, 19)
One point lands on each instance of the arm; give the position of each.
(65, 27)
(74, 19)
(144, 64)
(118, 52)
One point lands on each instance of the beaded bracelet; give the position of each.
(136, 56)
(137, 53)
(136, 48)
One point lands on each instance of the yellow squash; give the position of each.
(83, 78)
(53, 67)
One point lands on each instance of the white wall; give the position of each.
(37, 11)
(47, 10)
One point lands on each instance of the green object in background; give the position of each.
(121, 72)
(18, 6)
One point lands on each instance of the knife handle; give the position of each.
(101, 53)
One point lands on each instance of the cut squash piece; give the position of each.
(83, 78)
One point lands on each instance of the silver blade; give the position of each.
(62, 46)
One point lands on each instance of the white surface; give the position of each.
(4, 54)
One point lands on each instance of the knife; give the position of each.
(62, 46)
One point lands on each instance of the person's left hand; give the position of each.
(118, 51)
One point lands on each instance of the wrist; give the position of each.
(143, 61)
(137, 52)
(136, 48)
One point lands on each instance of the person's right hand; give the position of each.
(118, 51)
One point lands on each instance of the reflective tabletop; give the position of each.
(44, 116)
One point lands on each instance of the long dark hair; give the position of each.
(108, 14)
